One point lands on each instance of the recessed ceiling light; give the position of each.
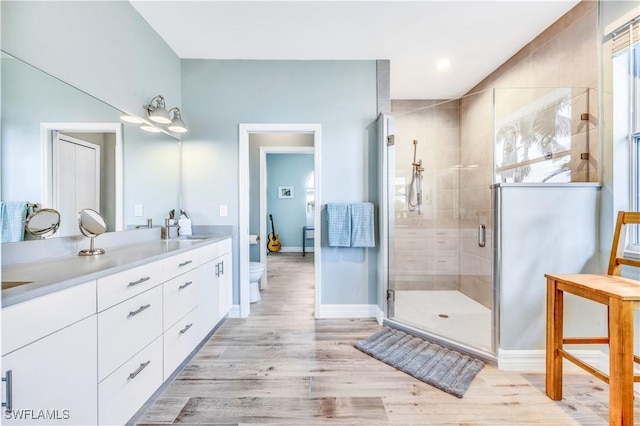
(443, 64)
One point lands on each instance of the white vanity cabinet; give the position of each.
(94, 353)
(49, 351)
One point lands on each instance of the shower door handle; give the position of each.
(482, 235)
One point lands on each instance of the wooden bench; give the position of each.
(621, 296)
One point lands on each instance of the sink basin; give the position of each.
(11, 284)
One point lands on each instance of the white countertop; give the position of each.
(58, 273)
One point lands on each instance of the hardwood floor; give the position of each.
(280, 366)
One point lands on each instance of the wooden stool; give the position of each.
(620, 295)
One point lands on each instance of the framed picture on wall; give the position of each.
(285, 192)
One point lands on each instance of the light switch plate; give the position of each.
(223, 210)
(138, 210)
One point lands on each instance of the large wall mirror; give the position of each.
(64, 149)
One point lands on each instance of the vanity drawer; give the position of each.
(180, 296)
(28, 321)
(126, 328)
(217, 249)
(183, 262)
(122, 393)
(124, 285)
(180, 340)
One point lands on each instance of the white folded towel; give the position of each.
(184, 226)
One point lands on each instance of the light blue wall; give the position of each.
(339, 95)
(102, 47)
(289, 214)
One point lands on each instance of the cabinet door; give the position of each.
(208, 310)
(224, 272)
(54, 378)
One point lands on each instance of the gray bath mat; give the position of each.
(447, 370)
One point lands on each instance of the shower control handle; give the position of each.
(482, 235)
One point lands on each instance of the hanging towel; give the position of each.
(362, 233)
(339, 226)
(12, 216)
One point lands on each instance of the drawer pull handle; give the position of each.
(185, 285)
(140, 281)
(137, 311)
(217, 269)
(8, 406)
(185, 263)
(184, 330)
(222, 268)
(139, 370)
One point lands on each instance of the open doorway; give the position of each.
(281, 148)
(287, 202)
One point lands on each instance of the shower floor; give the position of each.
(449, 314)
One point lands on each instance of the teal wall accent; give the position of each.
(104, 48)
(289, 214)
(339, 95)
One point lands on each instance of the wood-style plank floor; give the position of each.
(281, 366)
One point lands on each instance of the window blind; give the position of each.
(627, 35)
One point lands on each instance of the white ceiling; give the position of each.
(476, 37)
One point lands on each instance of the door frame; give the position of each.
(264, 150)
(46, 147)
(244, 130)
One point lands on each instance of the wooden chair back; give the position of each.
(618, 244)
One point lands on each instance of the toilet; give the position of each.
(256, 269)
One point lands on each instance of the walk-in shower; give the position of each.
(441, 210)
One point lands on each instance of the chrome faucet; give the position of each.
(169, 231)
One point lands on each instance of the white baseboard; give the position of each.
(535, 360)
(348, 311)
(379, 315)
(235, 311)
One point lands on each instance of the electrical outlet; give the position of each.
(138, 210)
(223, 210)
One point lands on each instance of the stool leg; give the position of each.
(554, 340)
(620, 362)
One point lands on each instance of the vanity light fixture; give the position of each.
(157, 112)
(177, 123)
(131, 118)
(152, 129)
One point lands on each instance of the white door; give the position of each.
(225, 284)
(76, 180)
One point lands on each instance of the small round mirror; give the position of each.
(42, 223)
(91, 225)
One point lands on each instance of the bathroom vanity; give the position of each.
(88, 340)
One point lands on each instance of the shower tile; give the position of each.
(447, 118)
(445, 282)
(446, 199)
(446, 219)
(447, 178)
(476, 289)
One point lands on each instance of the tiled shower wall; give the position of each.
(426, 243)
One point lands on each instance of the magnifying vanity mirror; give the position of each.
(42, 223)
(91, 224)
(55, 139)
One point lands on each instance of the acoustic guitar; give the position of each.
(274, 243)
